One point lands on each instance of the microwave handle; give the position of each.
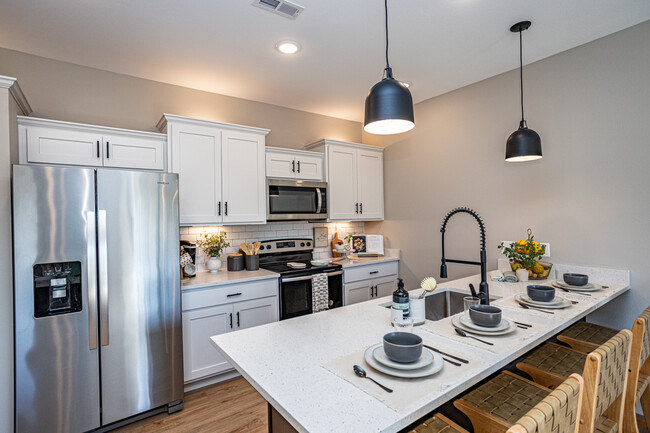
(320, 200)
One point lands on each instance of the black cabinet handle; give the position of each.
(371, 295)
(107, 151)
(356, 208)
(233, 294)
(230, 320)
(298, 166)
(226, 208)
(374, 272)
(238, 319)
(219, 209)
(361, 208)
(293, 166)
(98, 156)
(376, 290)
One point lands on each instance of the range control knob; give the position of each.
(302, 244)
(309, 244)
(268, 247)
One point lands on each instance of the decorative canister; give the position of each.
(236, 262)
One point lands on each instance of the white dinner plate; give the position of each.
(466, 321)
(591, 287)
(432, 368)
(555, 301)
(565, 304)
(512, 327)
(425, 359)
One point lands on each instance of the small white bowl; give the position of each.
(320, 262)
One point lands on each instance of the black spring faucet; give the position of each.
(483, 292)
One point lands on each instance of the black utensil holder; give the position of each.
(252, 262)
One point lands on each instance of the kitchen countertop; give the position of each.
(285, 360)
(391, 255)
(205, 278)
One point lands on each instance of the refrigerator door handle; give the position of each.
(103, 276)
(91, 266)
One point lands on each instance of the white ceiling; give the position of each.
(227, 46)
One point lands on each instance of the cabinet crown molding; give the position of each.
(326, 141)
(293, 151)
(37, 121)
(16, 92)
(166, 118)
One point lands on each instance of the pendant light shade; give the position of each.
(524, 144)
(389, 105)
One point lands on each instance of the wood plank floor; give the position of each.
(232, 406)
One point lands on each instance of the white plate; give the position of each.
(467, 322)
(587, 288)
(425, 359)
(565, 304)
(297, 265)
(555, 301)
(432, 368)
(456, 322)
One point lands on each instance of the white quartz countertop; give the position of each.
(390, 256)
(206, 278)
(284, 360)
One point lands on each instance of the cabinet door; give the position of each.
(309, 167)
(243, 178)
(371, 184)
(256, 312)
(134, 152)
(63, 146)
(279, 164)
(196, 157)
(385, 286)
(200, 357)
(342, 183)
(357, 292)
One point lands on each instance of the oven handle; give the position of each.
(320, 200)
(308, 277)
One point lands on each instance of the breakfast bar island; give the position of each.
(303, 367)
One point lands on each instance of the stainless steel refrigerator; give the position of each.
(97, 296)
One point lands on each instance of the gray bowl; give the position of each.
(540, 293)
(402, 346)
(485, 315)
(576, 279)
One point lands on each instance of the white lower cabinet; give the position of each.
(217, 310)
(371, 281)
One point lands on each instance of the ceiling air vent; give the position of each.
(280, 7)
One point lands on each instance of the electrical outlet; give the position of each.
(547, 250)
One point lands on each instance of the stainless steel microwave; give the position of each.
(295, 200)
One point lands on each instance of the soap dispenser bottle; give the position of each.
(401, 299)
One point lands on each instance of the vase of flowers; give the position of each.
(213, 245)
(526, 254)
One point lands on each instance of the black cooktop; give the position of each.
(284, 269)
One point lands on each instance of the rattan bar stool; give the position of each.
(559, 412)
(496, 405)
(438, 423)
(585, 336)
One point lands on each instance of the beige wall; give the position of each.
(64, 91)
(8, 155)
(589, 196)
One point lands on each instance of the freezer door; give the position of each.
(139, 292)
(57, 355)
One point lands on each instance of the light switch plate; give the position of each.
(547, 250)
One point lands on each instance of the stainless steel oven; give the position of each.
(296, 200)
(296, 293)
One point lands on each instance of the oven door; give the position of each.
(296, 200)
(335, 288)
(295, 296)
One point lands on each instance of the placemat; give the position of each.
(583, 304)
(408, 394)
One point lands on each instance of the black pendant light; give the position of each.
(389, 105)
(524, 144)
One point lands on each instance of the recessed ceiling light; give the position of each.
(288, 47)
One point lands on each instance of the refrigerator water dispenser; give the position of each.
(57, 288)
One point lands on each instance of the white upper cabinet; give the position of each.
(294, 164)
(221, 170)
(45, 141)
(355, 176)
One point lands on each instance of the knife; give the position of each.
(464, 361)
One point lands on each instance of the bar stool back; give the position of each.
(639, 376)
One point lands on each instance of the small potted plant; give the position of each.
(213, 245)
(524, 255)
(348, 239)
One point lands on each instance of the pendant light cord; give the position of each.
(521, 77)
(386, 16)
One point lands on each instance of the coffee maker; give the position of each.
(189, 248)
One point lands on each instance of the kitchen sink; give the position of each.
(443, 303)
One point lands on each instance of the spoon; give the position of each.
(465, 334)
(362, 373)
